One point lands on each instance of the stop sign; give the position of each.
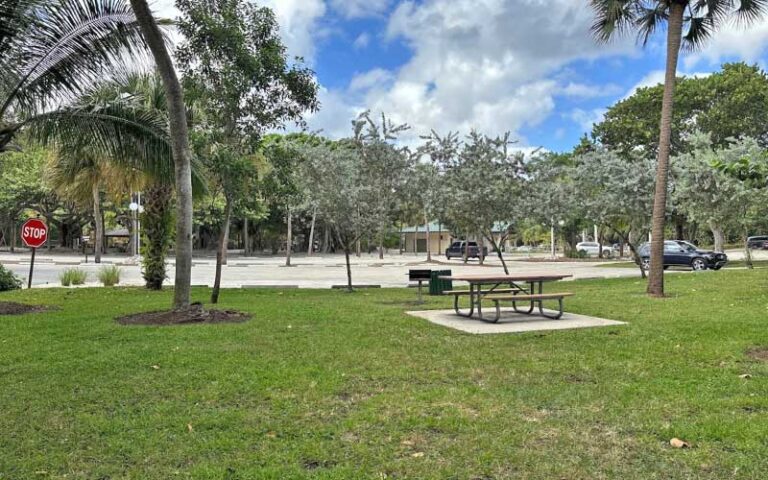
(34, 233)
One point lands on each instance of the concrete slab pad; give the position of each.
(511, 322)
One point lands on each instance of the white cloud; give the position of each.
(361, 41)
(580, 90)
(747, 44)
(586, 118)
(360, 8)
(376, 78)
(484, 64)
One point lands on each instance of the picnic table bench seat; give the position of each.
(535, 299)
(488, 292)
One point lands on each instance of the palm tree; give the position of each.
(182, 155)
(689, 24)
(81, 175)
(54, 50)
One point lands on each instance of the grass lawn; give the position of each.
(324, 384)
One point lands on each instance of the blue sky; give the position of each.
(524, 66)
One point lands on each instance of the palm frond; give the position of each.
(67, 46)
(750, 11)
(647, 20)
(613, 18)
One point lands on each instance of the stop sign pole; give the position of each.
(34, 234)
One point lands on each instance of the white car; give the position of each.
(592, 249)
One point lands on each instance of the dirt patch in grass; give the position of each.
(195, 314)
(758, 353)
(13, 308)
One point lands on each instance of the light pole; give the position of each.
(137, 209)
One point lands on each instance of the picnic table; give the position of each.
(525, 289)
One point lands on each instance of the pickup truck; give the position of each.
(456, 250)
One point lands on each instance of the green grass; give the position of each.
(109, 276)
(72, 276)
(324, 384)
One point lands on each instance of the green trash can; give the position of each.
(438, 286)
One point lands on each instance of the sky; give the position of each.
(529, 67)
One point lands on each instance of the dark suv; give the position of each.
(684, 254)
(760, 241)
(456, 250)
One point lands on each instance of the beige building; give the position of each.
(416, 239)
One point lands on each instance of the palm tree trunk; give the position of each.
(221, 251)
(97, 224)
(349, 270)
(246, 239)
(674, 37)
(310, 248)
(181, 153)
(289, 240)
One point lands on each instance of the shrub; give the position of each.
(109, 276)
(72, 276)
(8, 280)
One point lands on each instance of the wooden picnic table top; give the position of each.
(496, 278)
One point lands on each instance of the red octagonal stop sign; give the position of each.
(34, 233)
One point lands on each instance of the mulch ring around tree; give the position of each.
(194, 314)
(13, 308)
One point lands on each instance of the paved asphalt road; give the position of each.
(318, 271)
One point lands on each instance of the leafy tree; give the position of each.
(617, 194)
(555, 197)
(726, 104)
(343, 195)
(20, 187)
(236, 72)
(423, 197)
(483, 181)
(385, 167)
(699, 19)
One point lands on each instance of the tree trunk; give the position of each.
(326, 239)
(497, 247)
(357, 248)
(349, 269)
(289, 239)
(481, 249)
(426, 226)
(311, 247)
(747, 251)
(718, 235)
(630, 240)
(401, 241)
(246, 238)
(439, 238)
(381, 247)
(221, 251)
(674, 35)
(98, 231)
(14, 233)
(182, 155)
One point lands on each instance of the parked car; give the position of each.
(593, 249)
(758, 241)
(456, 250)
(681, 253)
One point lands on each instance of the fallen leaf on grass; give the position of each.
(745, 376)
(189, 427)
(417, 454)
(156, 367)
(406, 442)
(271, 434)
(677, 443)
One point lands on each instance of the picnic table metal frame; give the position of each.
(515, 282)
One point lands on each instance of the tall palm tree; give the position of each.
(689, 24)
(182, 154)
